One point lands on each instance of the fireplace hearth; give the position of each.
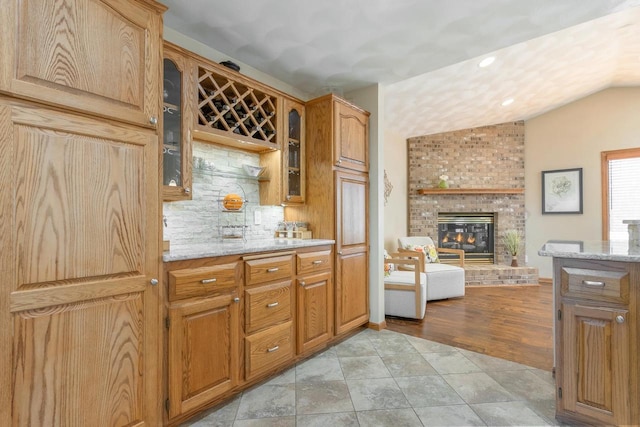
(469, 231)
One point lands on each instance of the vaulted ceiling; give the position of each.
(425, 53)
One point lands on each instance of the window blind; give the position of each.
(624, 195)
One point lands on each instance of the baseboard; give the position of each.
(377, 326)
(545, 281)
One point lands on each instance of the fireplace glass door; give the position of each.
(471, 232)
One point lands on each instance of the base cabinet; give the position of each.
(203, 351)
(597, 342)
(596, 363)
(352, 291)
(315, 326)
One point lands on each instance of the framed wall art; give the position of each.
(562, 191)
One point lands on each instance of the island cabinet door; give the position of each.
(594, 381)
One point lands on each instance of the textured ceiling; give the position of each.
(425, 51)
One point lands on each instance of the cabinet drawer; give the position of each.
(268, 349)
(313, 261)
(191, 282)
(599, 285)
(267, 305)
(268, 269)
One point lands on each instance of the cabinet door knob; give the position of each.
(187, 190)
(339, 252)
(236, 299)
(153, 120)
(302, 283)
(339, 161)
(620, 319)
(154, 282)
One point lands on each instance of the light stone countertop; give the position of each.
(594, 249)
(216, 248)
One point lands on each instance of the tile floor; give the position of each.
(390, 379)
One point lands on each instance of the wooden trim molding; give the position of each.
(545, 281)
(605, 157)
(424, 191)
(377, 326)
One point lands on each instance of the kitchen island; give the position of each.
(596, 298)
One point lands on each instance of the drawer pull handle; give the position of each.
(317, 262)
(272, 349)
(205, 281)
(273, 304)
(592, 283)
(272, 270)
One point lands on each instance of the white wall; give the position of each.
(395, 211)
(212, 54)
(573, 137)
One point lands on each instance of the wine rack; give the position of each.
(236, 110)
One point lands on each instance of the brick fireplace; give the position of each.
(485, 166)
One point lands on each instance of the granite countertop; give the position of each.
(594, 249)
(220, 248)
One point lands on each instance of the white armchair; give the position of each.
(405, 292)
(443, 280)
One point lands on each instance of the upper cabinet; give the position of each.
(286, 168)
(351, 143)
(47, 56)
(177, 122)
(234, 110)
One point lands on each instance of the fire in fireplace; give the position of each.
(469, 231)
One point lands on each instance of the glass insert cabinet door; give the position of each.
(176, 148)
(294, 160)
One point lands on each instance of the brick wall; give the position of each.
(198, 220)
(483, 157)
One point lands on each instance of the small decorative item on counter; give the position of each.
(443, 181)
(232, 202)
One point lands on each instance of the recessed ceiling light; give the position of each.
(486, 61)
(507, 102)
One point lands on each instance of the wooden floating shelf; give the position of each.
(424, 191)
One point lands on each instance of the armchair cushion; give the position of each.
(430, 252)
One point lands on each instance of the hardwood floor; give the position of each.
(509, 322)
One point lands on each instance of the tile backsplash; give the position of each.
(218, 171)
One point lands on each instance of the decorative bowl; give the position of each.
(254, 171)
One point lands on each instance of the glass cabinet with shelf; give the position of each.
(176, 147)
(294, 153)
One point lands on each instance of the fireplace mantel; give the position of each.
(424, 191)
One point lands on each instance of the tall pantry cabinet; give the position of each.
(79, 212)
(337, 199)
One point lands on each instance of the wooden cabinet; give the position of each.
(315, 300)
(351, 142)
(92, 56)
(352, 250)
(79, 236)
(269, 304)
(177, 123)
(203, 351)
(337, 204)
(597, 341)
(287, 167)
(204, 336)
(79, 249)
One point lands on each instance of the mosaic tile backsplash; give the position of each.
(218, 171)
